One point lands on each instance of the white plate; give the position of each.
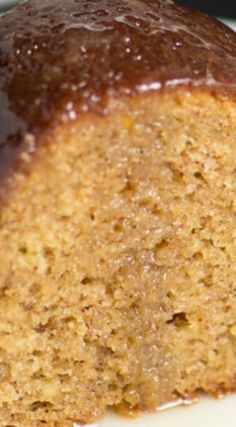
(7, 3)
(4, 4)
(231, 23)
(206, 413)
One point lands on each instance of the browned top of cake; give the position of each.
(61, 58)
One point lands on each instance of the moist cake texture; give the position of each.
(117, 217)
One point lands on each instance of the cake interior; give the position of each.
(118, 262)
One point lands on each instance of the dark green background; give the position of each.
(225, 8)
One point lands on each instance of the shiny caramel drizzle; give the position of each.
(60, 59)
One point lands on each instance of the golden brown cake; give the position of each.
(118, 208)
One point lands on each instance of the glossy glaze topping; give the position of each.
(59, 59)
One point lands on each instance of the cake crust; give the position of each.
(60, 60)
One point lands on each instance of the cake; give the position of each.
(118, 209)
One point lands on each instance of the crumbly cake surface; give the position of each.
(117, 231)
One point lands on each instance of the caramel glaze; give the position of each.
(59, 59)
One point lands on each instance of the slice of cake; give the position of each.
(118, 208)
